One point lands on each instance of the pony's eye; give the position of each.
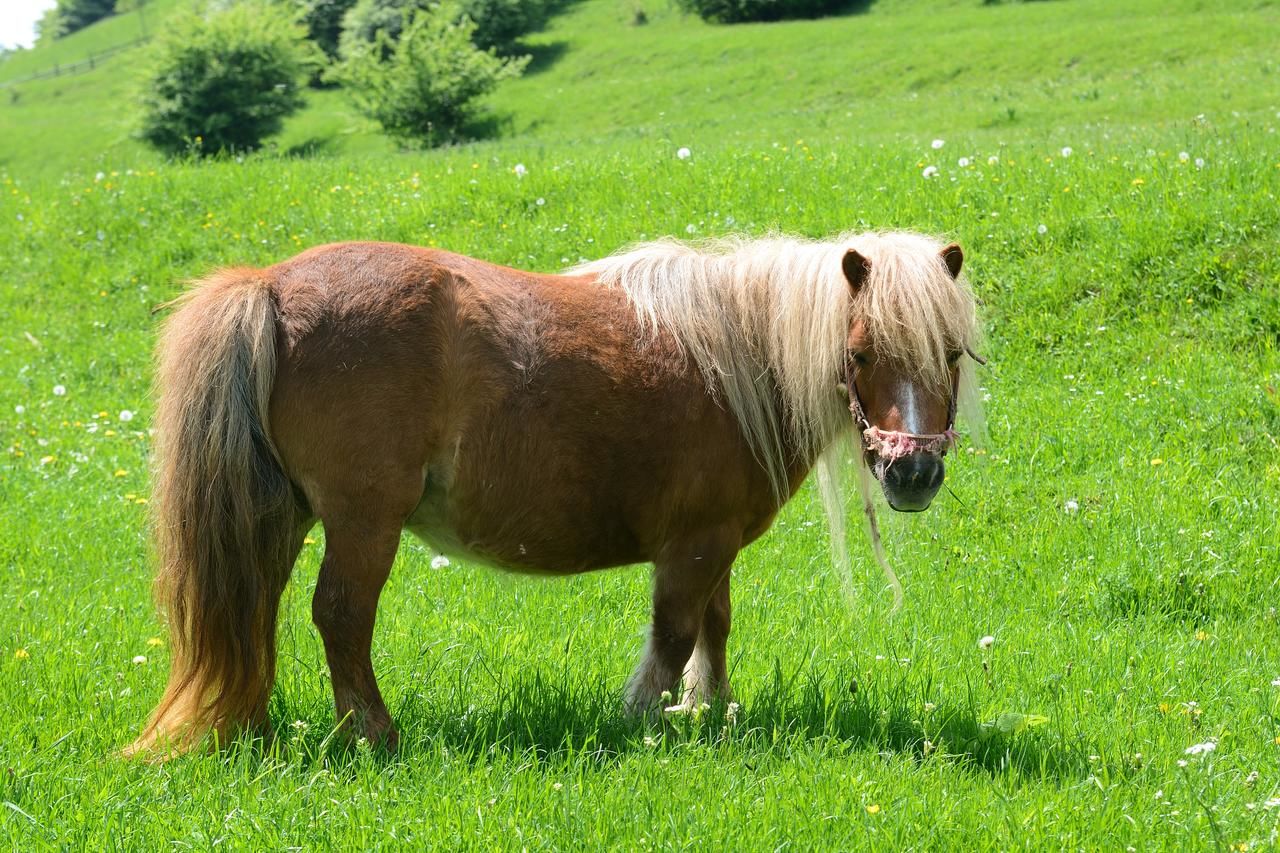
(954, 355)
(860, 359)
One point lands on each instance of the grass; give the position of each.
(1133, 370)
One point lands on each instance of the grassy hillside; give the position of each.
(1117, 536)
(903, 69)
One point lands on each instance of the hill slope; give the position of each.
(905, 67)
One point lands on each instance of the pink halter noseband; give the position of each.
(891, 445)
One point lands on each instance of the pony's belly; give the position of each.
(527, 537)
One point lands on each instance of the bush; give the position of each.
(741, 11)
(423, 87)
(498, 23)
(323, 19)
(224, 82)
(71, 15)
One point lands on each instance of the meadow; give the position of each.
(1112, 171)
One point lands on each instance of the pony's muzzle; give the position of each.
(911, 481)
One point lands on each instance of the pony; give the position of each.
(659, 405)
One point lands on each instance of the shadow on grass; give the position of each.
(542, 56)
(555, 719)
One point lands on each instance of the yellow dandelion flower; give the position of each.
(307, 540)
(120, 472)
(23, 654)
(874, 808)
(1137, 182)
(1202, 635)
(1163, 707)
(155, 641)
(140, 501)
(1157, 461)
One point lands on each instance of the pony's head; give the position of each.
(911, 327)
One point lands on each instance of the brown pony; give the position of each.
(659, 405)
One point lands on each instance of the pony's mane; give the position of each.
(767, 320)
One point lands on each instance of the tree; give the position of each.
(224, 82)
(498, 23)
(424, 85)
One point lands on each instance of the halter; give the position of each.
(891, 445)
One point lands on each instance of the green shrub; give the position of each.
(323, 19)
(71, 15)
(224, 82)
(423, 87)
(741, 11)
(498, 23)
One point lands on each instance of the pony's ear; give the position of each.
(953, 258)
(856, 269)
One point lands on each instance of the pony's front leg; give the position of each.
(357, 561)
(706, 676)
(686, 577)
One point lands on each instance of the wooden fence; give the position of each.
(79, 67)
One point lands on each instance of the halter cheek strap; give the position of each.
(893, 444)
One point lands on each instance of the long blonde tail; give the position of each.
(227, 523)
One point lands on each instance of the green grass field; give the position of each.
(1117, 535)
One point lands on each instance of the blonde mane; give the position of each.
(766, 321)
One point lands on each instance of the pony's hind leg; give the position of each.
(706, 676)
(686, 577)
(357, 560)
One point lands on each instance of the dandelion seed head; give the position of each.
(520, 170)
(59, 390)
(126, 416)
(1042, 229)
(929, 171)
(1183, 157)
(1066, 151)
(1071, 506)
(963, 162)
(139, 659)
(1201, 748)
(683, 153)
(986, 642)
(439, 561)
(937, 143)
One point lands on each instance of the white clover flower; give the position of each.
(1182, 762)
(650, 741)
(1273, 803)
(929, 171)
(1275, 682)
(439, 561)
(986, 642)
(1066, 151)
(938, 143)
(1042, 228)
(690, 228)
(1183, 157)
(59, 390)
(541, 201)
(1202, 748)
(520, 170)
(126, 416)
(683, 153)
(963, 162)
(1071, 506)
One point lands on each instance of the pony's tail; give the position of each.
(226, 519)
